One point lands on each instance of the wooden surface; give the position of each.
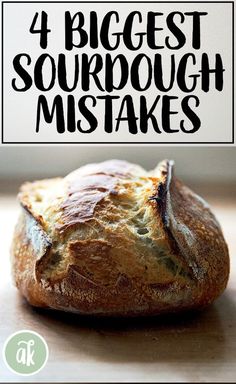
(190, 347)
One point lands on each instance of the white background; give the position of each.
(20, 108)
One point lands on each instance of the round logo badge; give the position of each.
(25, 352)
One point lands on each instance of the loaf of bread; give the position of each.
(112, 239)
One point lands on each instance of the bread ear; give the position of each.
(39, 240)
(164, 171)
(194, 229)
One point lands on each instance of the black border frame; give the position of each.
(116, 143)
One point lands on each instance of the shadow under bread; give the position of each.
(197, 336)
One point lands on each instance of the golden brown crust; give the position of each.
(112, 239)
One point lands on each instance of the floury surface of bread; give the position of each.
(113, 239)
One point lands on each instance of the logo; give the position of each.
(25, 352)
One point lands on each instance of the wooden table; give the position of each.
(193, 347)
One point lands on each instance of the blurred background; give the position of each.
(211, 172)
(210, 168)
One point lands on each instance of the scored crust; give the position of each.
(113, 239)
